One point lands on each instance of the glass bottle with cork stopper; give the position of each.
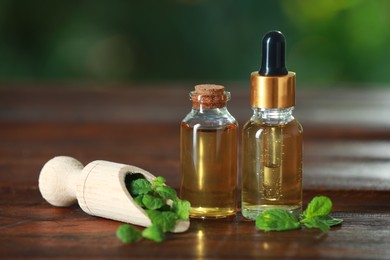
(272, 140)
(208, 154)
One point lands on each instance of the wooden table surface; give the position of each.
(346, 157)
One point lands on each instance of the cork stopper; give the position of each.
(208, 96)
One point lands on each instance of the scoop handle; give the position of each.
(58, 180)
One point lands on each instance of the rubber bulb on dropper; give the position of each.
(273, 55)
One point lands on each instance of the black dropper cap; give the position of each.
(273, 55)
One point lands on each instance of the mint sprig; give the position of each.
(315, 216)
(162, 205)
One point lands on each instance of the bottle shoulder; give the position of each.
(254, 125)
(209, 118)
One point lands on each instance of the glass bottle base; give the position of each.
(251, 212)
(202, 212)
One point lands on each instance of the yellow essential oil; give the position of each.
(271, 167)
(272, 140)
(208, 156)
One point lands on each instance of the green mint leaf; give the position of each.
(277, 220)
(152, 202)
(322, 222)
(166, 192)
(139, 187)
(316, 222)
(166, 207)
(181, 208)
(154, 233)
(159, 181)
(165, 219)
(128, 234)
(328, 220)
(332, 221)
(138, 200)
(318, 206)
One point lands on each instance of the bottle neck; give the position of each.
(205, 109)
(273, 116)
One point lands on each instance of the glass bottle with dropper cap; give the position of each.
(208, 154)
(272, 140)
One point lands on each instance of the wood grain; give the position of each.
(347, 157)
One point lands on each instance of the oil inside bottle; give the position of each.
(271, 168)
(209, 170)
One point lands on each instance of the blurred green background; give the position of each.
(329, 42)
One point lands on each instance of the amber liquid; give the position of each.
(271, 168)
(209, 170)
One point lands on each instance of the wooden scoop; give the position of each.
(99, 188)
